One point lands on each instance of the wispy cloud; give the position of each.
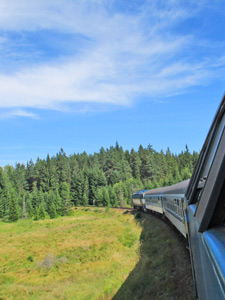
(5, 114)
(126, 53)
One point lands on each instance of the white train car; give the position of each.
(169, 201)
(174, 205)
(153, 200)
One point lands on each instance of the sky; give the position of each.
(85, 74)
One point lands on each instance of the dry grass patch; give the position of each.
(87, 256)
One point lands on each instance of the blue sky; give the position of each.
(81, 74)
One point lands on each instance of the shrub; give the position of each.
(138, 216)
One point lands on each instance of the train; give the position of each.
(196, 207)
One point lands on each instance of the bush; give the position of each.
(5, 219)
(30, 258)
(138, 216)
(128, 238)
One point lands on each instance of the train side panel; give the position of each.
(208, 257)
(154, 203)
(174, 205)
(206, 213)
(153, 199)
(173, 209)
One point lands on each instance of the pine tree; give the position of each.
(112, 196)
(24, 213)
(135, 164)
(36, 215)
(58, 202)
(65, 195)
(35, 196)
(13, 207)
(52, 211)
(85, 199)
(99, 197)
(41, 211)
(76, 191)
(105, 196)
(29, 207)
(1, 207)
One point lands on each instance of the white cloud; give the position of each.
(17, 113)
(129, 54)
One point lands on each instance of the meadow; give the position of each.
(85, 256)
(94, 254)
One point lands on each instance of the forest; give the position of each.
(52, 186)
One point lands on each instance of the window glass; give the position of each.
(213, 148)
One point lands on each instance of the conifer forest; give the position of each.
(52, 186)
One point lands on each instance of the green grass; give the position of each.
(85, 256)
(95, 254)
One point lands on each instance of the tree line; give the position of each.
(51, 186)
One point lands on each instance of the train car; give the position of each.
(197, 209)
(169, 201)
(153, 199)
(206, 213)
(138, 200)
(174, 205)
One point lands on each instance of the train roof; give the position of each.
(140, 192)
(157, 191)
(178, 188)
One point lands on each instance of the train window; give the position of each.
(212, 195)
(212, 152)
(206, 156)
(219, 213)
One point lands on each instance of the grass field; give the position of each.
(95, 254)
(85, 256)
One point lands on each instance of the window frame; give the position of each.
(212, 188)
(192, 193)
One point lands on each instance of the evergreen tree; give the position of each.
(1, 208)
(85, 198)
(105, 196)
(24, 213)
(112, 196)
(34, 195)
(65, 195)
(13, 207)
(58, 202)
(76, 190)
(99, 197)
(135, 164)
(29, 208)
(52, 211)
(41, 211)
(105, 178)
(36, 214)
